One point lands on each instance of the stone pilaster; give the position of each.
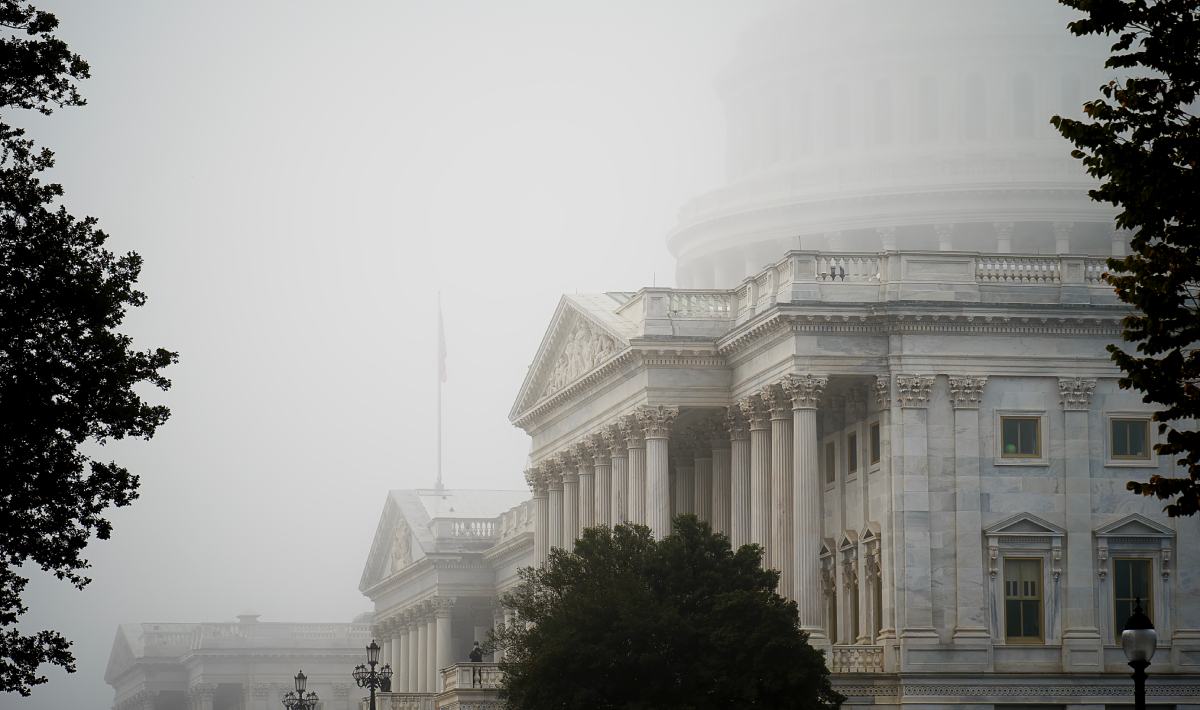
(805, 392)
(756, 412)
(412, 617)
(635, 444)
(431, 651)
(682, 452)
(584, 452)
(602, 459)
(782, 516)
(568, 463)
(970, 623)
(424, 655)
(399, 645)
(1082, 644)
(887, 561)
(721, 460)
(739, 476)
(656, 424)
(536, 479)
(912, 394)
(619, 454)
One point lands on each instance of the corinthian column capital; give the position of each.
(1075, 393)
(966, 392)
(913, 390)
(805, 390)
(656, 421)
(735, 422)
(755, 411)
(613, 440)
(777, 400)
(631, 431)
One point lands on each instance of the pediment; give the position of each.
(849, 540)
(870, 533)
(120, 659)
(582, 338)
(1024, 524)
(1135, 525)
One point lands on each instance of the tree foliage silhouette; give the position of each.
(67, 376)
(628, 622)
(1141, 139)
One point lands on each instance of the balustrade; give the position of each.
(402, 701)
(856, 659)
(701, 304)
(458, 676)
(1002, 268)
(851, 268)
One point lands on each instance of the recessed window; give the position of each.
(830, 463)
(875, 449)
(1130, 439)
(1131, 584)
(1023, 600)
(851, 453)
(1020, 437)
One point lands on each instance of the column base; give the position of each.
(1082, 651)
(972, 650)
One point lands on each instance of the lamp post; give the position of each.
(369, 677)
(298, 699)
(1139, 640)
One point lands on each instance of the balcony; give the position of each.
(457, 691)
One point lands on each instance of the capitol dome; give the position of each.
(858, 126)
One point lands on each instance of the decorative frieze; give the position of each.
(585, 348)
(805, 390)
(1075, 393)
(966, 392)
(657, 421)
(913, 390)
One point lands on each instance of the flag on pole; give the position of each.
(441, 343)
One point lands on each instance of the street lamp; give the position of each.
(1139, 640)
(298, 699)
(371, 678)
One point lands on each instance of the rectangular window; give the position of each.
(1020, 437)
(1130, 439)
(830, 463)
(851, 453)
(1023, 600)
(1131, 583)
(875, 449)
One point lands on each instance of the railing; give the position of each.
(472, 528)
(701, 304)
(1000, 268)
(856, 659)
(1094, 269)
(402, 701)
(516, 520)
(487, 676)
(853, 268)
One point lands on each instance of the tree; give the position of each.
(628, 622)
(1141, 139)
(67, 376)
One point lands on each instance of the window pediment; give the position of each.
(1134, 526)
(1024, 524)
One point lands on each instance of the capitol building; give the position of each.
(884, 361)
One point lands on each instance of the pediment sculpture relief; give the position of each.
(401, 549)
(585, 348)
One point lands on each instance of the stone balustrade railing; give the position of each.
(848, 277)
(237, 635)
(516, 521)
(402, 701)
(458, 676)
(856, 659)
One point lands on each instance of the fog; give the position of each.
(302, 179)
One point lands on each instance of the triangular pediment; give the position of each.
(398, 538)
(1135, 525)
(1024, 524)
(121, 658)
(584, 335)
(849, 540)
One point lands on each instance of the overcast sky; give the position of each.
(302, 178)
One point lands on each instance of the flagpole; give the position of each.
(441, 379)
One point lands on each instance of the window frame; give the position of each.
(1110, 459)
(1043, 433)
(829, 473)
(874, 440)
(1148, 600)
(1026, 536)
(1135, 536)
(1040, 599)
(852, 454)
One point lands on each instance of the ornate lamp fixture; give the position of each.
(369, 677)
(299, 699)
(1139, 641)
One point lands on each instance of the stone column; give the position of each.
(536, 479)
(656, 424)
(912, 393)
(635, 444)
(685, 476)
(201, 695)
(443, 607)
(384, 633)
(413, 682)
(720, 478)
(619, 454)
(423, 655)
(702, 474)
(399, 651)
(431, 653)
(554, 483)
(567, 459)
(587, 484)
(970, 625)
(756, 412)
(805, 392)
(739, 476)
(603, 464)
(1082, 646)
(782, 515)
